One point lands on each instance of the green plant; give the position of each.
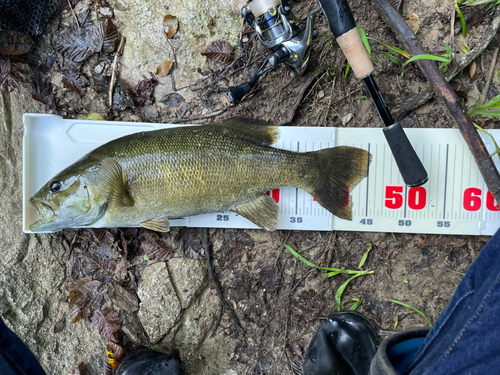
(445, 59)
(356, 304)
(365, 255)
(332, 272)
(492, 108)
(411, 308)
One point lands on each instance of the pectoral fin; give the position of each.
(159, 225)
(263, 211)
(111, 182)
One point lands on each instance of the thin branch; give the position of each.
(444, 91)
(484, 94)
(112, 83)
(215, 280)
(213, 114)
(74, 15)
(171, 46)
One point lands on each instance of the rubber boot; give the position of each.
(344, 344)
(396, 353)
(149, 362)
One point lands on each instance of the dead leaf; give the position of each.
(13, 71)
(155, 251)
(142, 91)
(115, 354)
(59, 326)
(15, 43)
(121, 97)
(295, 357)
(105, 37)
(413, 21)
(219, 51)
(164, 68)
(77, 369)
(42, 91)
(76, 43)
(170, 24)
(105, 236)
(107, 369)
(172, 100)
(75, 81)
(107, 323)
(472, 70)
(430, 241)
(85, 296)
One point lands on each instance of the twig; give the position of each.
(343, 98)
(426, 95)
(74, 15)
(444, 91)
(171, 46)
(208, 259)
(300, 95)
(452, 30)
(213, 114)
(173, 82)
(330, 100)
(112, 83)
(484, 94)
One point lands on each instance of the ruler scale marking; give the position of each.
(367, 187)
(445, 182)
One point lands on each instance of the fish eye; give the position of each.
(55, 186)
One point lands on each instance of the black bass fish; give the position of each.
(145, 179)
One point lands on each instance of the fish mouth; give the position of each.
(44, 210)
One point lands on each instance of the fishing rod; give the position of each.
(277, 31)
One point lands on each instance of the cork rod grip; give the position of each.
(356, 53)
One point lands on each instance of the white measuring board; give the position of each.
(454, 200)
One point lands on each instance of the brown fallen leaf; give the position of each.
(170, 24)
(164, 68)
(15, 43)
(472, 70)
(13, 71)
(85, 296)
(75, 81)
(59, 326)
(114, 354)
(430, 241)
(413, 21)
(77, 369)
(142, 91)
(107, 323)
(105, 37)
(155, 251)
(219, 51)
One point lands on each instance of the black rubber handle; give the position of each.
(339, 16)
(410, 166)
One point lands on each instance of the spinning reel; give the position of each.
(273, 22)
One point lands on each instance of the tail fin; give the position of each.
(340, 170)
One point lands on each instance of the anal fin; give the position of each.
(262, 211)
(160, 224)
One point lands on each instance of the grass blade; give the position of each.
(411, 308)
(356, 304)
(493, 103)
(364, 39)
(462, 19)
(365, 256)
(485, 112)
(338, 294)
(300, 257)
(392, 48)
(390, 57)
(481, 130)
(426, 56)
(347, 69)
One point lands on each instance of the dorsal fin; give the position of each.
(110, 182)
(260, 131)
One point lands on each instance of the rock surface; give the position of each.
(200, 23)
(32, 267)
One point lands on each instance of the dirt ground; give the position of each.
(278, 299)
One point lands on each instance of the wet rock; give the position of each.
(200, 23)
(189, 277)
(160, 307)
(32, 266)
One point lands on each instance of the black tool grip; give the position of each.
(339, 16)
(409, 164)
